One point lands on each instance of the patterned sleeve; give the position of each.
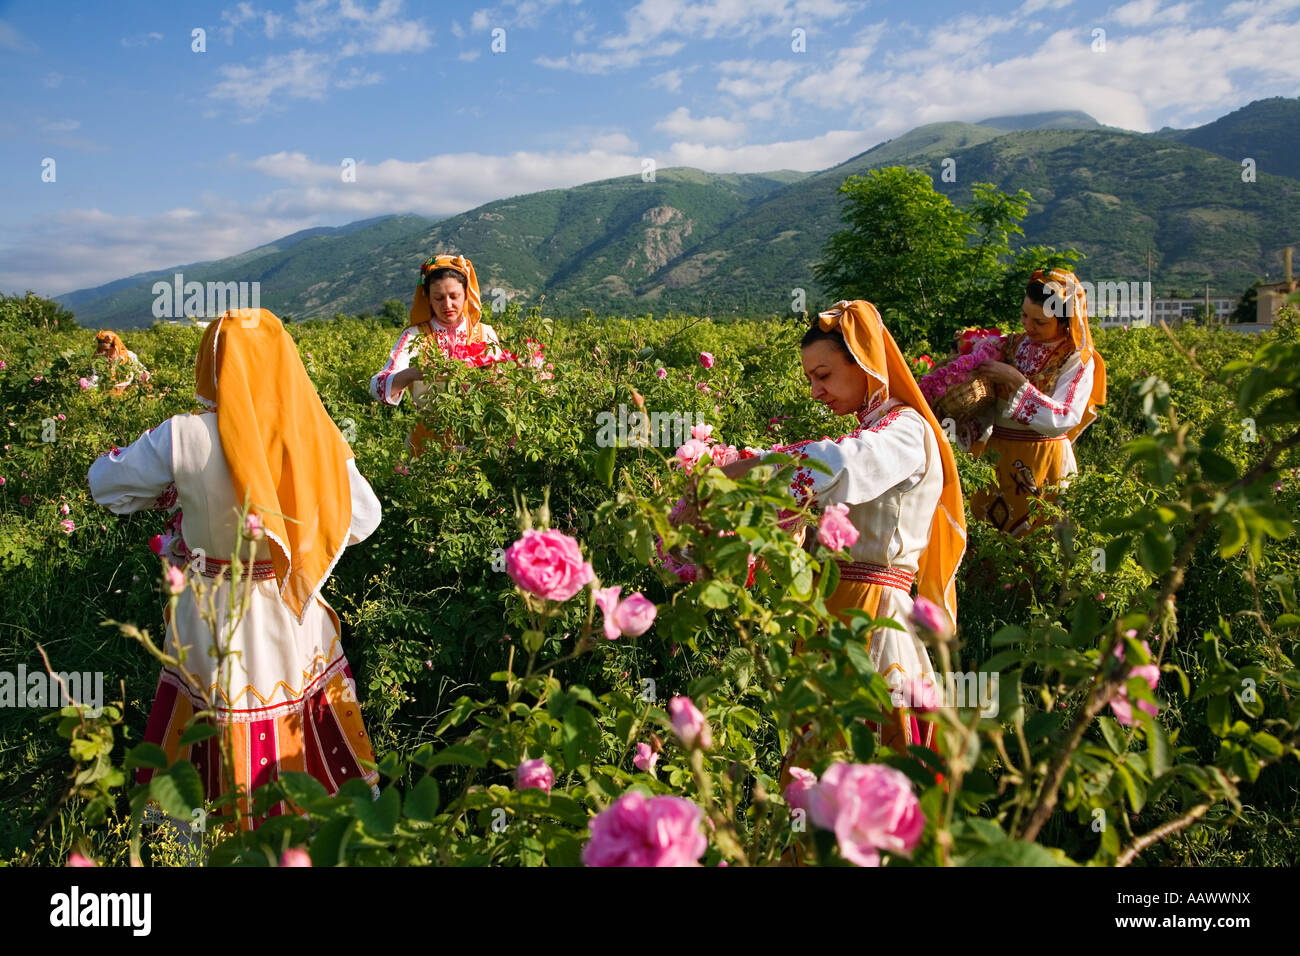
(1054, 414)
(398, 361)
(864, 464)
(136, 477)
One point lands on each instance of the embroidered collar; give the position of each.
(873, 413)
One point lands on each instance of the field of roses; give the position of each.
(554, 672)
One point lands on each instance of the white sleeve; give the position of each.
(398, 361)
(135, 477)
(366, 511)
(864, 464)
(1057, 413)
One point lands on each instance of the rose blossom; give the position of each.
(1120, 704)
(84, 383)
(295, 857)
(689, 724)
(76, 859)
(918, 694)
(634, 615)
(536, 774)
(929, 616)
(662, 373)
(253, 526)
(690, 453)
(548, 564)
(607, 601)
(870, 807)
(702, 432)
(723, 455)
(801, 784)
(836, 531)
(636, 830)
(67, 525)
(645, 758)
(706, 359)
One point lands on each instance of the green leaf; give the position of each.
(326, 848)
(1113, 735)
(604, 465)
(1015, 853)
(1157, 742)
(462, 754)
(715, 595)
(196, 732)
(864, 741)
(146, 755)
(178, 790)
(379, 815)
(1156, 551)
(302, 789)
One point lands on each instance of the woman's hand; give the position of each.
(406, 376)
(1006, 377)
(738, 468)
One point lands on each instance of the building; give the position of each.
(1175, 311)
(1273, 296)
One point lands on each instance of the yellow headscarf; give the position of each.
(1066, 288)
(284, 451)
(473, 310)
(888, 375)
(119, 350)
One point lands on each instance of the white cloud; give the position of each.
(469, 56)
(357, 77)
(705, 129)
(54, 80)
(752, 79)
(143, 39)
(295, 74)
(12, 40)
(605, 62)
(247, 13)
(670, 80)
(818, 152)
(59, 126)
(614, 143)
(1146, 12)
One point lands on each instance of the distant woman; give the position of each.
(1049, 389)
(124, 366)
(445, 313)
(285, 699)
(898, 478)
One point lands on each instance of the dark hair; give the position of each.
(446, 272)
(816, 334)
(1039, 293)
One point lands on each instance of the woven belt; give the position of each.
(260, 570)
(899, 578)
(1022, 434)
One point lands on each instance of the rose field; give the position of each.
(1142, 640)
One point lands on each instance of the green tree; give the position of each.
(395, 312)
(929, 266)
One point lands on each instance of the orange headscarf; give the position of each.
(119, 350)
(1066, 288)
(888, 375)
(473, 310)
(285, 453)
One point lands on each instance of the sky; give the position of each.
(137, 136)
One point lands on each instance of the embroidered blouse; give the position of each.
(406, 349)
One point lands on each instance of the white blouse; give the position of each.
(890, 475)
(400, 359)
(138, 477)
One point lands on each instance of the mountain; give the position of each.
(712, 243)
(1267, 131)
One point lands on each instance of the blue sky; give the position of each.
(165, 155)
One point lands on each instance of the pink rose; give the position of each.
(801, 784)
(634, 615)
(870, 807)
(401, 469)
(67, 525)
(2, 481)
(702, 432)
(662, 373)
(645, 758)
(64, 509)
(253, 526)
(836, 531)
(175, 579)
(534, 773)
(607, 601)
(930, 617)
(84, 383)
(706, 359)
(636, 830)
(723, 455)
(295, 857)
(689, 724)
(918, 694)
(76, 859)
(1120, 704)
(548, 564)
(691, 452)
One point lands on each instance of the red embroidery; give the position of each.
(886, 419)
(167, 500)
(381, 380)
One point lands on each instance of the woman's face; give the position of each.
(1039, 324)
(835, 379)
(446, 299)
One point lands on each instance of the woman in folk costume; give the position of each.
(897, 475)
(1048, 392)
(446, 312)
(285, 698)
(109, 345)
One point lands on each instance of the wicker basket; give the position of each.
(965, 400)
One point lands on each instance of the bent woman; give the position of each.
(1048, 388)
(285, 698)
(898, 477)
(125, 367)
(445, 313)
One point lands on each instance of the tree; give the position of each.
(929, 266)
(394, 312)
